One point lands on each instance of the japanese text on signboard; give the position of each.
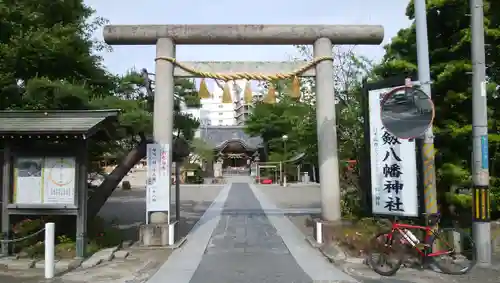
(164, 166)
(158, 174)
(152, 170)
(393, 183)
(393, 166)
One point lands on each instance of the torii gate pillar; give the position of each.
(322, 37)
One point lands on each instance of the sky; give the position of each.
(388, 13)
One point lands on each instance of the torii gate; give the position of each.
(322, 37)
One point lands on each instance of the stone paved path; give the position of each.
(244, 238)
(245, 247)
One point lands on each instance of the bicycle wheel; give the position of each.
(385, 253)
(460, 249)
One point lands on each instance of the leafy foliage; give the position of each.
(449, 45)
(48, 39)
(297, 119)
(47, 63)
(200, 152)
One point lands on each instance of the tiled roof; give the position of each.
(216, 135)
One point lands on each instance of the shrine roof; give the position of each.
(58, 122)
(219, 136)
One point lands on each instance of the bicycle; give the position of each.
(399, 237)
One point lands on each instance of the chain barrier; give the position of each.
(23, 238)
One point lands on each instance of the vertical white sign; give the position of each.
(393, 166)
(158, 178)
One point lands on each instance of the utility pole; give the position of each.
(429, 174)
(481, 228)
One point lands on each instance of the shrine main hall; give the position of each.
(234, 150)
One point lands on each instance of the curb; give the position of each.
(103, 255)
(332, 252)
(176, 245)
(179, 243)
(350, 270)
(108, 254)
(313, 242)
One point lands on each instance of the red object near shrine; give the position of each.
(351, 164)
(266, 181)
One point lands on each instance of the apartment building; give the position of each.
(215, 113)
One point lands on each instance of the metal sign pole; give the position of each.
(480, 175)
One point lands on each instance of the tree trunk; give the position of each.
(104, 191)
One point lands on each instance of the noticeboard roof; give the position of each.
(56, 122)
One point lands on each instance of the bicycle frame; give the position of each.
(429, 232)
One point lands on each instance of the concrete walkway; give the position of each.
(244, 237)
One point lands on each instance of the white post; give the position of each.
(298, 174)
(171, 233)
(285, 139)
(49, 250)
(319, 232)
(314, 174)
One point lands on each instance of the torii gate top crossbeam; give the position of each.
(243, 34)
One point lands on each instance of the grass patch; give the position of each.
(68, 250)
(354, 236)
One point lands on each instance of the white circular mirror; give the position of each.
(407, 112)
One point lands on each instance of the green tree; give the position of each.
(449, 45)
(297, 119)
(272, 121)
(50, 39)
(47, 61)
(134, 96)
(201, 152)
